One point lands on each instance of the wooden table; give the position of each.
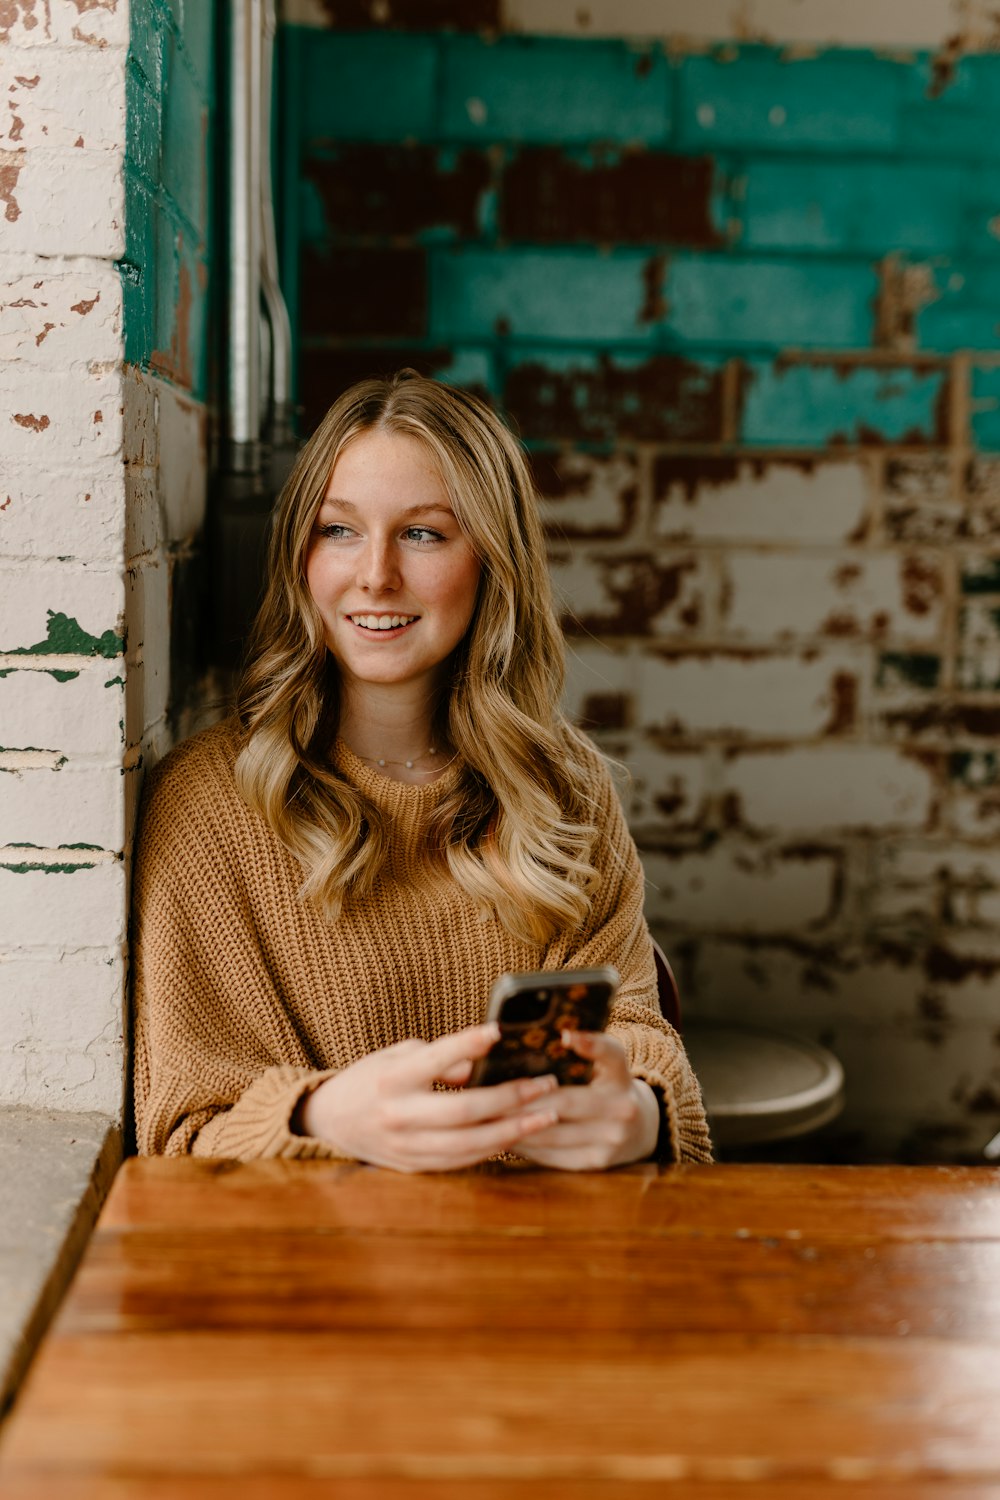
(307, 1329)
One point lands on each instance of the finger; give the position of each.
(580, 1135)
(459, 1111)
(457, 1075)
(446, 1150)
(606, 1053)
(435, 1058)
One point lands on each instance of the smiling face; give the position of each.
(393, 576)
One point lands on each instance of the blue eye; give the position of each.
(423, 535)
(334, 530)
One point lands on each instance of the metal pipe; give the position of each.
(274, 302)
(244, 239)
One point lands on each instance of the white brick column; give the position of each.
(63, 761)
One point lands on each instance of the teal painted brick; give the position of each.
(197, 33)
(718, 300)
(810, 406)
(634, 297)
(138, 283)
(539, 294)
(962, 120)
(185, 140)
(986, 409)
(362, 86)
(146, 36)
(841, 101)
(877, 207)
(966, 314)
(550, 90)
(145, 125)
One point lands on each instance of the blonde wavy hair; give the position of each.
(515, 832)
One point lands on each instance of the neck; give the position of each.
(393, 727)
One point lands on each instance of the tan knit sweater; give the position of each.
(246, 998)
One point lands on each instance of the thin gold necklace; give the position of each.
(411, 765)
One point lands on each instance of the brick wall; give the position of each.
(88, 511)
(741, 299)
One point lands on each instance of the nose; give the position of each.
(378, 566)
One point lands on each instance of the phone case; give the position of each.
(533, 1010)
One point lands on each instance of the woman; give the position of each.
(328, 884)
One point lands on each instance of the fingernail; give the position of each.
(491, 1029)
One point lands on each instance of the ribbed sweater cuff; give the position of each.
(683, 1128)
(259, 1124)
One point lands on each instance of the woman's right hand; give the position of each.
(384, 1109)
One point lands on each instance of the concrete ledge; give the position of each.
(55, 1170)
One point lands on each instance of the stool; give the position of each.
(760, 1085)
(757, 1085)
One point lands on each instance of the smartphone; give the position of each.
(533, 1010)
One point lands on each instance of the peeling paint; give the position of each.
(65, 637)
(30, 421)
(11, 165)
(85, 305)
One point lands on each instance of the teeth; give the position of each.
(382, 622)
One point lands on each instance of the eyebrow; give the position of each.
(410, 510)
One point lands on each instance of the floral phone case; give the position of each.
(533, 1010)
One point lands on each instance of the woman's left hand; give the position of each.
(608, 1122)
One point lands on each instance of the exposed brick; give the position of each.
(412, 15)
(635, 596)
(600, 685)
(666, 790)
(922, 503)
(586, 495)
(372, 189)
(750, 695)
(325, 373)
(741, 888)
(604, 398)
(781, 596)
(711, 498)
(608, 198)
(831, 787)
(978, 663)
(372, 293)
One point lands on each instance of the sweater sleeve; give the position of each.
(218, 1066)
(616, 933)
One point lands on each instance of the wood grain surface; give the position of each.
(298, 1329)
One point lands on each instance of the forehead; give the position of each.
(382, 465)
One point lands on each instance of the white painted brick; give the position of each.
(48, 418)
(776, 597)
(597, 674)
(849, 23)
(72, 23)
(84, 716)
(924, 864)
(664, 788)
(183, 436)
(975, 815)
(771, 697)
(57, 321)
(798, 988)
(92, 595)
(66, 201)
(73, 804)
(831, 786)
(62, 1033)
(659, 594)
(742, 889)
(49, 513)
(61, 97)
(770, 502)
(81, 909)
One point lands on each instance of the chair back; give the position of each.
(666, 987)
